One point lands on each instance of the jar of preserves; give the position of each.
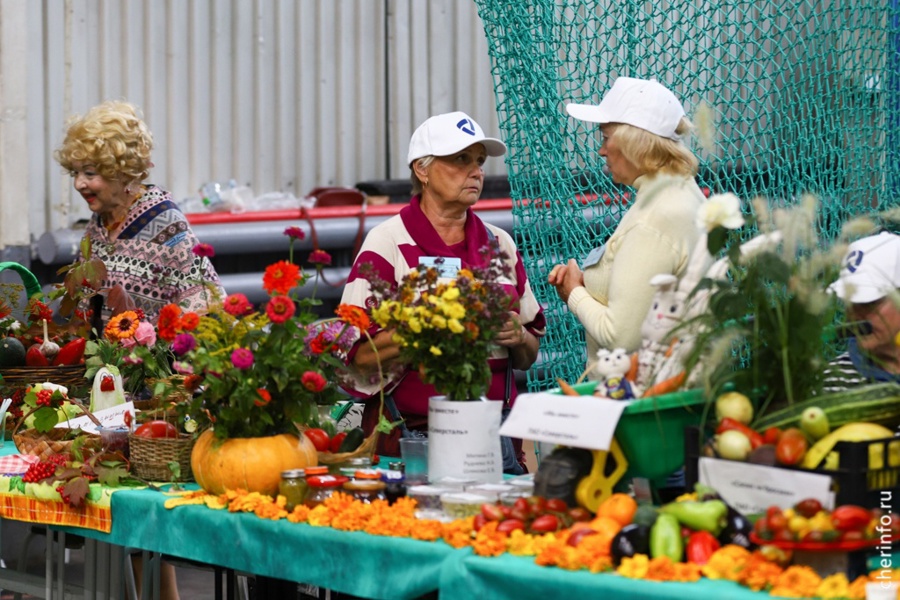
(395, 485)
(356, 462)
(321, 487)
(365, 490)
(293, 487)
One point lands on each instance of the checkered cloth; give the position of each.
(16, 464)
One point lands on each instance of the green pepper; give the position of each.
(665, 538)
(709, 515)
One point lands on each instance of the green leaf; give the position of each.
(715, 240)
(45, 418)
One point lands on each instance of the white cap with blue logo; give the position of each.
(446, 134)
(871, 269)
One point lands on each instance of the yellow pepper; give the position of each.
(821, 521)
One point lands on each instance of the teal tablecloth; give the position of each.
(361, 564)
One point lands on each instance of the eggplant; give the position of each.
(737, 530)
(631, 539)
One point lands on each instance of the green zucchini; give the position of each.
(353, 440)
(874, 403)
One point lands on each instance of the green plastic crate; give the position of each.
(651, 431)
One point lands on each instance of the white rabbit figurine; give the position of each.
(611, 368)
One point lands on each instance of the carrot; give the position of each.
(631, 375)
(667, 386)
(566, 389)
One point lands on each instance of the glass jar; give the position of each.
(395, 485)
(293, 487)
(321, 487)
(351, 464)
(317, 470)
(365, 490)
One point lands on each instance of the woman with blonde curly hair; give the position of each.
(144, 240)
(643, 125)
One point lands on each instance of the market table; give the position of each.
(353, 562)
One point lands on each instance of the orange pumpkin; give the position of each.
(252, 464)
(620, 507)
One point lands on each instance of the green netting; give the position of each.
(803, 97)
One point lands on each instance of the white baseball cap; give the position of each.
(446, 134)
(871, 269)
(644, 103)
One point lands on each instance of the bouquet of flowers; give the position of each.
(446, 326)
(132, 344)
(263, 372)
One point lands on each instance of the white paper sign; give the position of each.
(577, 421)
(751, 489)
(109, 417)
(464, 441)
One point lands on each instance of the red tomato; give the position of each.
(771, 435)
(156, 429)
(791, 447)
(557, 505)
(335, 444)
(510, 525)
(318, 437)
(545, 523)
(480, 521)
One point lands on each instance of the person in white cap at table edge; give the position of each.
(643, 125)
(446, 157)
(868, 283)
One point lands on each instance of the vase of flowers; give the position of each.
(259, 374)
(445, 325)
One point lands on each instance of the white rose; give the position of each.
(721, 210)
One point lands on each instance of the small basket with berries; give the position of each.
(46, 405)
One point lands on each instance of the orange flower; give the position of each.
(353, 315)
(660, 569)
(122, 326)
(281, 277)
(634, 567)
(488, 541)
(299, 515)
(857, 589)
(759, 572)
(169, 317)
(726, 563)
(457, 533)
(686, 572)
(797, 581)
(189, 321)
(427, 530)
(834, 586)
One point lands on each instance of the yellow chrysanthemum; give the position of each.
(435, 350)
(455, 326)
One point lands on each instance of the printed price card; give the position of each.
(109, 417)
(577, 421)
(751, 489)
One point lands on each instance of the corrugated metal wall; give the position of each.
(280, 95)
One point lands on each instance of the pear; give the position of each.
(814, 423)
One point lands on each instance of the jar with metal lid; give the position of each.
(397, 466)
(365, 490)
(395, 485)
(356, 462)
(293, 487)
(321, 487)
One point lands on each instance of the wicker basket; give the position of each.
(150, 457)
(46, 444)
(70, 376)
(367, 448)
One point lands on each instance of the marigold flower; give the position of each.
(264, 397)
(204, 250)
(313, 381)
(320, 258)
(299, 514)
(281, 277)
(237, 305)
(295, 233)
(834, 586)
(797, 581)
(122, 326)
(280, 309)
(660, 568)
(242, 359)
(726, 563)
(426, 530)
(634, 567)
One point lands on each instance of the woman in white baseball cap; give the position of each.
(642, 124)
(446, 157)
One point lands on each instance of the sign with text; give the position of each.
(751, 489)
(577, 421)
(109, 417)
(463, 440)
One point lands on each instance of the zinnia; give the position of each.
(280, 309)
(237, 305)
(242, 359)
(313, 381)
(281, 277)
